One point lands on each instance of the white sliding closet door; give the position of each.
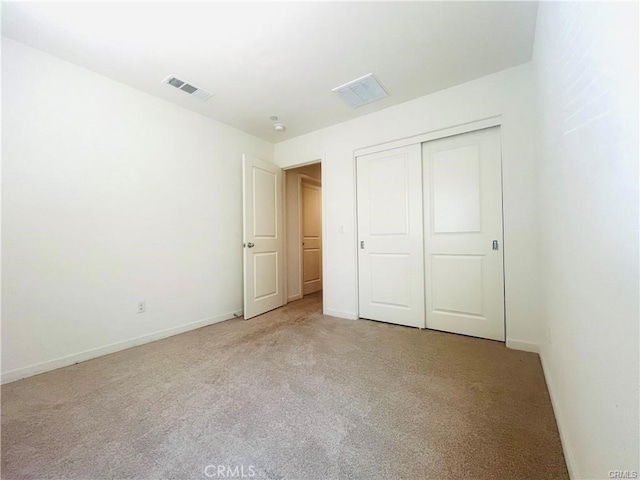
(390, 236)
(463, 234)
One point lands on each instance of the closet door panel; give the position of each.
(463, 234)
(390, 236)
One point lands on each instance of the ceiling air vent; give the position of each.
(187, 87)
(361, 91)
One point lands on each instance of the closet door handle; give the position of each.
(250, 245)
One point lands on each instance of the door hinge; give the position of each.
(362, 244)
(495, 244)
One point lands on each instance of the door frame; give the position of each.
(466, 127)
(301, 179)
(287, 280)
(472, 126)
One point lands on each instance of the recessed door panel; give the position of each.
(312, 207)
(389, 195)
(455, 192)
(391, 280)
(265, 184)
(312, 262)
(456, 284)
(390, 254)
(265, 266)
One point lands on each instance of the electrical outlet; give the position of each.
(142, 306)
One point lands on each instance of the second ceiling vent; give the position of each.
(187, 87)
(361, 91)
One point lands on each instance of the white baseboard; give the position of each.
(13, 375)
(522, 345)
(293, 298)
(340, 314)
(568, 452)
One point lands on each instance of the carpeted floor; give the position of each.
(291, 394)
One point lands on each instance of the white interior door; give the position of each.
(263, 237)
(463, 233)
(311, 230)
(390, 236)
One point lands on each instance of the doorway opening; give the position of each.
(303, 207)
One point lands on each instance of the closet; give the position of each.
(430, 235)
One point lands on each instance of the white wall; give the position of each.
(509, 93)
(294, 291)
(586, 62)
(110, 196)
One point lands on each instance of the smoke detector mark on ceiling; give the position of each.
(187, 87)
(361, 91)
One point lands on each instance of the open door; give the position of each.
(311, 233)
(263, 237)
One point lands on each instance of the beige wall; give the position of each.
(293, 226)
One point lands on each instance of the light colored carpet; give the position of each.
(292, 394)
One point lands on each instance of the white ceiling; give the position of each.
(263, 59)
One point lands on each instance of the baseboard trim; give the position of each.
(523, 346)
(20, 373)
(340, 314)
(568, 455)
(293, 298)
